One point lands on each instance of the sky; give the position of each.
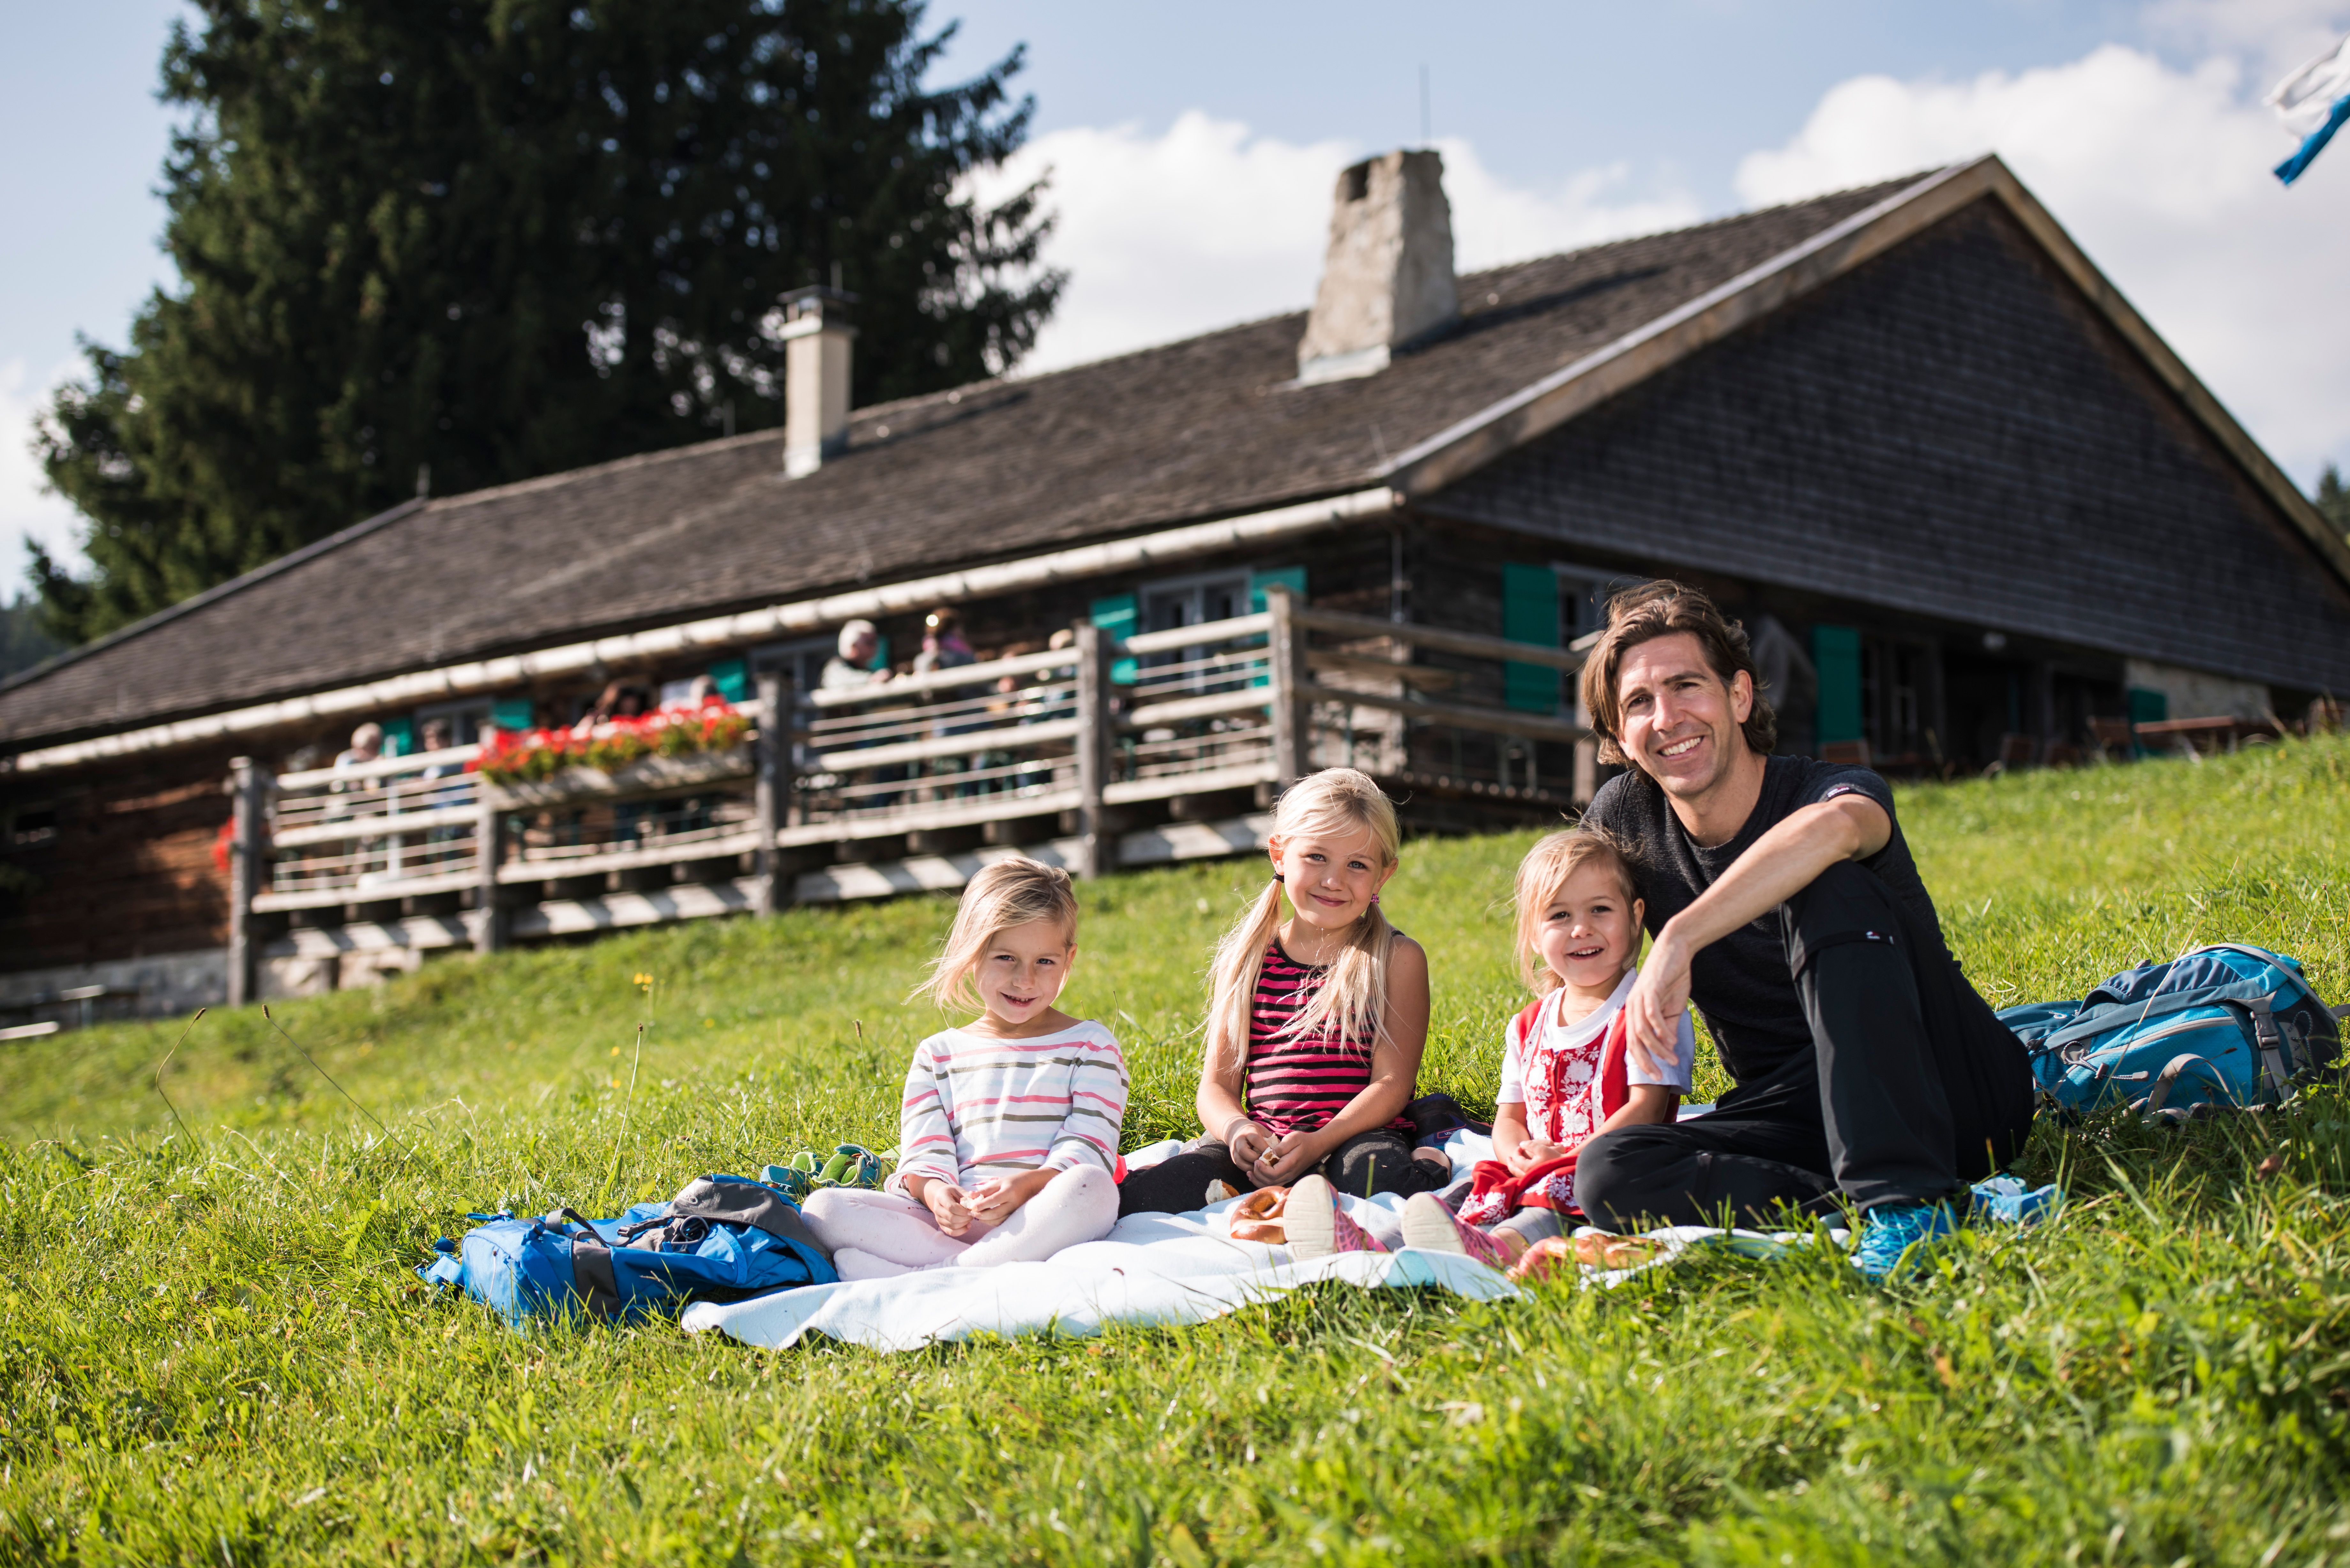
(1191, 152)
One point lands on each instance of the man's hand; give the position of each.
(1652, 1013)
(992, 1201)
(1530, 1153)
(949, 1205)
(1287, 1158)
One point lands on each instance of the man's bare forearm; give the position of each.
(1781, 863)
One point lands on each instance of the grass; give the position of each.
(211, 1348)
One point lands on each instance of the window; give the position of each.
(465, 719)
(30, 828)
(1583, 595)
(1194, 601)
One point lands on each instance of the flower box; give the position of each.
(649, 775)
(645, 754)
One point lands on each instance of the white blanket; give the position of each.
(1152, 1269)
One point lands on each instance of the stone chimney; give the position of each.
(1387, 281)
(817, 335)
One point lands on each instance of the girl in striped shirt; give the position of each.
(1316, 1023)
(1008, 1133)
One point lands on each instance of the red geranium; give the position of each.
(530, 755)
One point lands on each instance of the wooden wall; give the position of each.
(121, 858)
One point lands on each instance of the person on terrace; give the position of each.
(852, 665)
(1783, 902)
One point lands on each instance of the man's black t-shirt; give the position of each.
(1741, 983)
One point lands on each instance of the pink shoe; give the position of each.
(1429, 1225)
(1317, 1226)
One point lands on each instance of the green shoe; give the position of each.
(851, 1165)
(789, 1181)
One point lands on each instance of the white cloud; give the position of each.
(1206, 224)
(25, 509)
(2162, 175)
(2273, 35)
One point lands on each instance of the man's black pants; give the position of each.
(1912, 1089)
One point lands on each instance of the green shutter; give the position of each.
(733, 679)
(1530, 614)
(511, 713)
(1293, 577)
(1115, 615)
(400, 737)
(2146, 708)
(1835, 655)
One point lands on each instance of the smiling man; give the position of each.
(1784, 904)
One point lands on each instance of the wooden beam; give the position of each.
(772, 792)
(1093, 731)
(1490, 720)
(247, 785)
(1293, 722)
(1476, 645)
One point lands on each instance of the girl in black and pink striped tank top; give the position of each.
(1295, 1080)
(1318, 1011)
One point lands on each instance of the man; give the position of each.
(852, 665)
(1783, 902)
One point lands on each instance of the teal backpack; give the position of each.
(2225, 1026)
(722, 1240)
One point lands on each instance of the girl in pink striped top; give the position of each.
(1315, 1022)
(1008, 1134)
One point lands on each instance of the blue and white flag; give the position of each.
(2313, 102)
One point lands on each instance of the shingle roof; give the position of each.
(1197, 429)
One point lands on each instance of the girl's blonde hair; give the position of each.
(1011, 892)
(1335, 800)
(1547, 868)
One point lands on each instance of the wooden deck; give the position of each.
(1099, 757)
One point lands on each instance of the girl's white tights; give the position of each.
(874, 1235)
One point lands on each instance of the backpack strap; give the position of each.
(2276, 1069)
(2166, 1080)
(591, 1265)
(2091, 1021)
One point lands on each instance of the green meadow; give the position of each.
(214, 1348)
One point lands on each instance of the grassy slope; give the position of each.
(212, 1347)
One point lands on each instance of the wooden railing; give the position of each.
(1065, 744)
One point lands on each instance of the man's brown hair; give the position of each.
(1662, 608)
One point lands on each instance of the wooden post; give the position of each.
(1293, 718)
(1098, 852)
(490, 927)
(773, 790)
(248, 785)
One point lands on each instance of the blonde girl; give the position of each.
(1566, 1076)
(1318, 1011)
(1008, 1134)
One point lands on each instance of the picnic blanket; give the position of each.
(1152, 1270)
(1159, 1270)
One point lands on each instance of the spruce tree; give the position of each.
(2334, 500)
(501, 238)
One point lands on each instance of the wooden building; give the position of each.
(1967, 499)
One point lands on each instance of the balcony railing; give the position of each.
(1070, 745)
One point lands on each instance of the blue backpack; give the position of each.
(2226, 1025)
(721, 1240)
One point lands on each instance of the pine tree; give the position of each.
(2333, 499)
(23, 644)
(501, 238)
